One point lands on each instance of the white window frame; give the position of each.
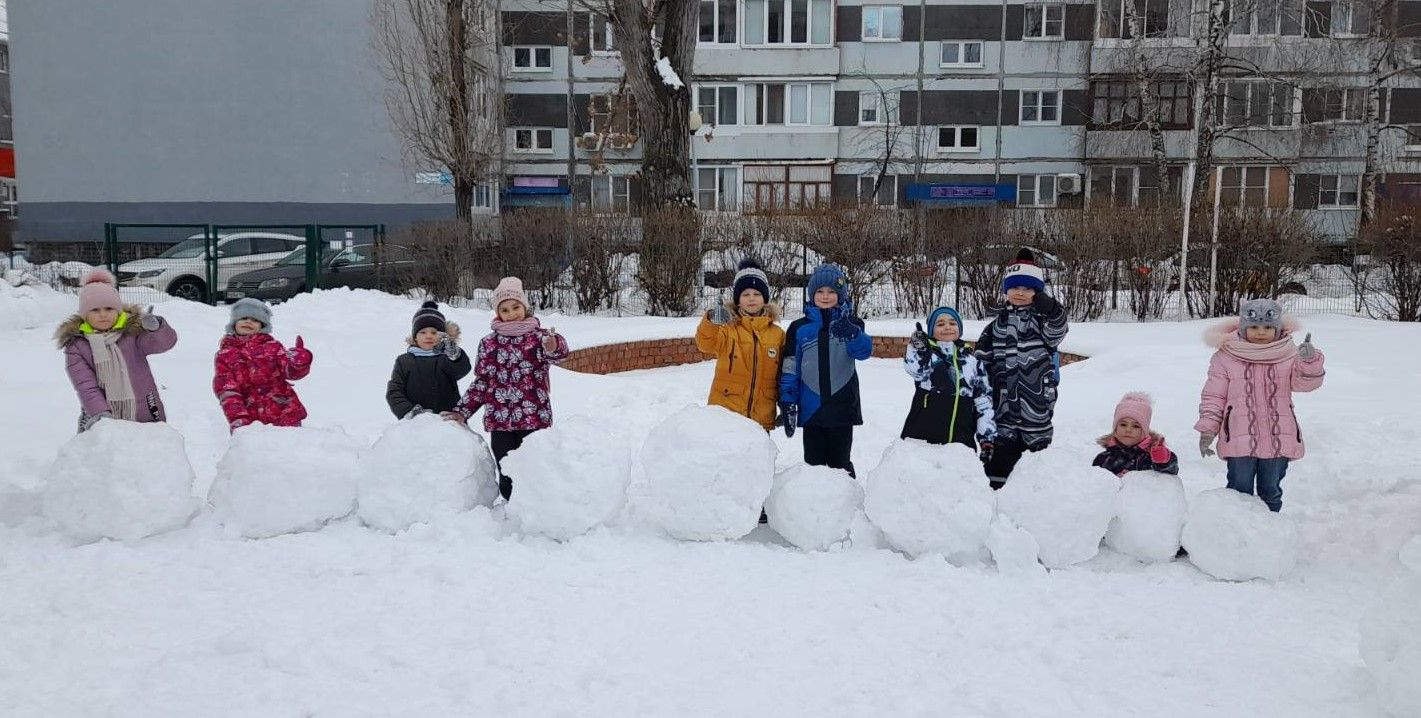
(751, 101)
(720, 200)
(714, 120)
(1046, 10)
(532, 58)
(866, 182)
(875, 103)
(1338, 190)
(1037, 181)
(881, 11)
(1040, 106)
(608, 40)
(715, 19)
(534, 133)
(787, 26)
(961, 46)
(957, 147)
(485, 198)
(616, 188)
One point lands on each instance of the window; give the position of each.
(718, 22)
(882, 22)
(958, 139)
(1112, 186)
(483, 198)
(886, 194)
(1338, 192)
(1266, 17)
(1040, 107)
(789, 103)
(718, 188)
(1036, 191)
(4, 58)
(1151, 16)
(1350, 19)
(270, 245)
(961, 54)
(609, 116)
(611, 193)
(1253, 103)
(533, 59)
(1343, 105)
(1116, 104)
(875, 107)
(1044, 22)
(235, 248)
(770, 187)
(788, 22)
(600, 39)
(9, 197)
(1245, 187)
(533, 140)
(719, 104)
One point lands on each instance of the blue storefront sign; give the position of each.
(961, 194)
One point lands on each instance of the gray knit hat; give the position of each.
(1260, 313)
(250, 308)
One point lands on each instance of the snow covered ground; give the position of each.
(463, 617)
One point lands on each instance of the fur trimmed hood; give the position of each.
(451, 330)
(1216, 335)
(1108, 440)
(68, 330)
(772, 310)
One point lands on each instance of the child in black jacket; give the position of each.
(1131, 446)
(426, 377)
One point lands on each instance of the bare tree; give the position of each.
(1389, 271)
(440, 62)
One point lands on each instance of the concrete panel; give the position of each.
(762, 62)
(751, 144)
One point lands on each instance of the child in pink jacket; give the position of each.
(1247, 402)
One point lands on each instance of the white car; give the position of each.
(182, 270)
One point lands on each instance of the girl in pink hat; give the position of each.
(1131, 445)
(511, 375)
(106, 347)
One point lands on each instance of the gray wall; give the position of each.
(153, 110)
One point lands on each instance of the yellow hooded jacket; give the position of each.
(747, 365)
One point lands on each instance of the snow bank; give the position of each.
(813, 507)
(1064, 504)
(121, 480)
(930, 499)
(28, 306)
(1149, 517)
(569, 478)
(1391, 639)
(423, 469)
(1013, 549)
(1233, 536)
(708, 472)
(277, 480)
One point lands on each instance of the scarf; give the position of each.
(416, 351)
(112, 370)
(515, 329)
(1273, 352)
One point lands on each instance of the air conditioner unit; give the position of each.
(589, 142)
(1069, 184)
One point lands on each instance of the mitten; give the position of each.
(844, 328)
(1043, 303)
(985, 454)
(1159, 453)
(149, 321)
(1306, 351)
(550, 341)
(789, 417)
(450, 349)
(453, 416)
(1206, 441)
(416, 411)
(87, 422)
(298, 353)
(719, 315)
(919, 338)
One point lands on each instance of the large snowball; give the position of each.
(423, 469)
(1149, 517)
(708, 473)
(930, 498)
(277, 480)
(813, 507)
(569, 478)
(1391, 641)
(1065, 504)
(1233, 536)
(1013, 549)
(121, 480)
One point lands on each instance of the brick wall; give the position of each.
(658, 353)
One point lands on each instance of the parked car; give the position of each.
(354, 267)
(181, 270)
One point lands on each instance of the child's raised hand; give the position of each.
(550, 341)
(1306, 351)
(919, 338)
(150, 321)
(300, 343)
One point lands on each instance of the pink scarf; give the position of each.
(515, 329)
(1273, 352)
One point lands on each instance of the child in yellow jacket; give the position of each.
(746, 340)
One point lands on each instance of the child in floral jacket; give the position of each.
(511, 375)
(254, 371)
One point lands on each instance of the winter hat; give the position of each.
(1024, 272)
(949, 311)
(1260, 313)
(750, 276)
(509, 288)
(1135, 405)
(827, 275)
(99, 290)
(428, 317)
(250, 308)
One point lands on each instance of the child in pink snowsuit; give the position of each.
(511, 375)
(1247, 402)
(254, 371)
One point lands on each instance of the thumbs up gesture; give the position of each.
(1306, 351)
(150, 321)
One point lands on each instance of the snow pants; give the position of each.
(1005, 454)
(1247, 471)
(504, 442)
(829, 446)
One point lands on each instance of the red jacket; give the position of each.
(253, 380)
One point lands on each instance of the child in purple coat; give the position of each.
(106, 347)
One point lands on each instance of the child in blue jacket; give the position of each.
(819, 383)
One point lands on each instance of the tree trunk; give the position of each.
(457, 85)
(463, 198)
(1206, 84)
(662, 110)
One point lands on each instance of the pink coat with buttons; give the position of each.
(1248, 398)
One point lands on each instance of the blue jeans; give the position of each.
(1269, 473)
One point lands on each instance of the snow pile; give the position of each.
(28, 305)
(813, 507)
(121, 480)
(1233, 536)
(1013, 549)
(277, 480)
(1391, 638)
(1149, 517)
(1064, 504)
(421, 470)
(569, 478)
(930, 499)
(708, 472)
(668, 74)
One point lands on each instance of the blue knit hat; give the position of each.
(1024, 272)
(827, 275)
(949, 311)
